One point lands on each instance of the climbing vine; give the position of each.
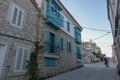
(32, 66)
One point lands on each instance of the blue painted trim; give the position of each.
(61, 43)
(53, 16)
(69, 47)
(78, 53)
(50, 62)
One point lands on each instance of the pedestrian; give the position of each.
(106, 62)
(101, 59)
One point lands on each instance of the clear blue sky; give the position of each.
(92, 14)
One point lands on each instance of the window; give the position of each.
(78, 52)
(68, 26)
(16, 16)
(50, 62)
(62, 43)
(69, 47)
(51, 43)
(55, 10)
(21, 58)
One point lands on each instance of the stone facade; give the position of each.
(11, 36)
(87, 51)
(113, 7)
(23, 33)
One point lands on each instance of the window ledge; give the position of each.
(79, 60)
(17, 74)
(51, 55)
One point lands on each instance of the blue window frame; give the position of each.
(78, 52)
(78, 35)
(69, 47)
(68, 26)
(61, 43)
(51, 42)
(53, 16)
(50, 62)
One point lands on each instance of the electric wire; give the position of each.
(101, 36)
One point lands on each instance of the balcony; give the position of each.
(54, 21)
(77, 35)
(53, 16)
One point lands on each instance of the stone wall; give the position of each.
(65, 60)
(13, 37)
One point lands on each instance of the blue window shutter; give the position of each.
(67, 46)
(70, 47)
(62, 43)
(68, 26)
(80, 38)
(78, 52)
(50, 62)
(55, 43)
(48, 41)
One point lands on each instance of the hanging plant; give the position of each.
(32, 66)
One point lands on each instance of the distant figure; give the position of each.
(106, 61)
(101, 59)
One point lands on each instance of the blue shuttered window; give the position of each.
(78, 35)
(69, 47)
(50, 62)
(78, 52)
(62, 43)
(68, 26)
(55, 43)
(51, 42)
(48, 41)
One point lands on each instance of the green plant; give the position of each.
(98, 55)
(32, 66)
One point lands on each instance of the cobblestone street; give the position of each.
(95, 71)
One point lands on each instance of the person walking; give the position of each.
(106, 62)
(101, 59)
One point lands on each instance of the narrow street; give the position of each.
(95, 71)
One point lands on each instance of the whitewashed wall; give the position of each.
(64, 28)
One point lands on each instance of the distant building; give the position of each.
(91, 46)
(87, 51)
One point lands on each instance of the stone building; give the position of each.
(92, 46)
(87, 51)
(21, 21)
(113, 7)
(114, 54)
(86, 56)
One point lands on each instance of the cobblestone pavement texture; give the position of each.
(94, 71)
